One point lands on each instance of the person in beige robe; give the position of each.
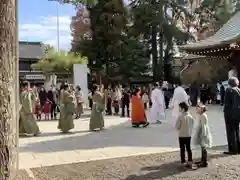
(80, 101)
(27, 122)
(96, 119)
(65, 123)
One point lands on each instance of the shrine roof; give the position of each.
(227, 34)
(31, 50)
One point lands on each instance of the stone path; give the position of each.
(164, 166)
(119, 140)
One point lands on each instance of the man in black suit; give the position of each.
(232, 115)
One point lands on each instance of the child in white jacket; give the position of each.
(203, 136)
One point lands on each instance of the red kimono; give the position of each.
(138, 112)
(47, 107)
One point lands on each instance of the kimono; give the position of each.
(27, 122)
(67, 109)
(138, 113)
(96, 119)
(203, 136)
(79, 103)
(157, 111)
(179, 96)
(61, 106)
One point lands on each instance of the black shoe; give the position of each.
(198, 162)
(203, 164)
(230, 153)
(135, 125)
(146, 124)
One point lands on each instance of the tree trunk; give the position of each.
(154, 51)
(8, 89)
(160, 62)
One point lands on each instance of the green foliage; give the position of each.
(89, 3)
(48, 48)
(133, 62)
(59, 62)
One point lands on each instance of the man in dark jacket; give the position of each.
(53, 96)
(125, 102)
(42, 96)
(232, 115)
(222, 93)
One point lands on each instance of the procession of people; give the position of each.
(146, 105)
(68, 103)
(143, 108)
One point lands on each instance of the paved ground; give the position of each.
(119, 140)
(164, 166)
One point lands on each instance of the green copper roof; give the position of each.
(229, 33)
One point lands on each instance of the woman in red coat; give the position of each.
(138, 113)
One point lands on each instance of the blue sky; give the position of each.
(38, 22)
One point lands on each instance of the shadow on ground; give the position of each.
(121, 135)
(166, 170)
(161, 166)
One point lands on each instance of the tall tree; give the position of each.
(153, 21)
(94, 13)
(102, 49)
(8, 89)
(133, 62)
(80, 26)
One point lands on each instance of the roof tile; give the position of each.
(229, 33)
(31, 50)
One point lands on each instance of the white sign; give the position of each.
(35, 77)
(80, 72)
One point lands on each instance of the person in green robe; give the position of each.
(27, 122)
(67, 109)
(96, 119)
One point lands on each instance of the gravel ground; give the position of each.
(22, 175)
(147, 167)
